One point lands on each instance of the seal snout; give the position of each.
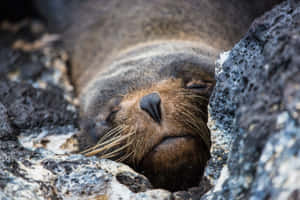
(173, 160)
(151, 104)
(172, 150)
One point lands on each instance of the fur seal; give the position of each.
(144, 71)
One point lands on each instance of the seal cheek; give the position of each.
(175, 163)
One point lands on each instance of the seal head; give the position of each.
(156, 120)
(171, 141)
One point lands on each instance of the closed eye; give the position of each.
(196, 86)
(201, 87)
(112, 115)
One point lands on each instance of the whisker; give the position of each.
(100, 142)
(114, 153)
(197, 125)
(192, 95)
(128, 143)
(187, 107)
(123, 158)
(106, 146)
(129, 152)
(113, 131)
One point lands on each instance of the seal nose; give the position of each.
(151, 104)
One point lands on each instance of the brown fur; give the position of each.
(184, 113)
(124, 50)
(97, 30)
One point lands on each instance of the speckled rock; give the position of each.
(38, 126)
(49, 176)
(256, 103)
(254, 121)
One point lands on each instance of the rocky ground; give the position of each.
(257, 101)
(254, 120)
(38, 126)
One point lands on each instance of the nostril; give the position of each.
(151, 104)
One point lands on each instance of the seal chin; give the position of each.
(174, 163)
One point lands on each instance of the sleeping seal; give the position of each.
(144, 71)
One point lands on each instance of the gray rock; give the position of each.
(5, 128)
(254, 120)
(256, 101)
(38, 123)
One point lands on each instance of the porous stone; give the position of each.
(255, 102)
(254, 122)
(38, 126)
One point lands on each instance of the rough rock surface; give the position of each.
(257, 102)
(254, 121)
(38, 123)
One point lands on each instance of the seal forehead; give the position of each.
(153, 63)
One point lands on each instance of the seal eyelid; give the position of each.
(200, 84)
(196, 86)
(112, 114)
